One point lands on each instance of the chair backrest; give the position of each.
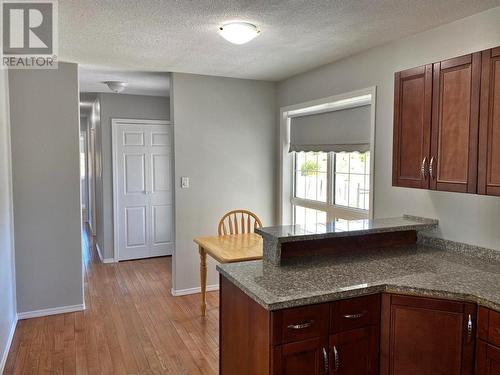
(238, 221)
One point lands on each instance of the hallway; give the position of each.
(131, 325)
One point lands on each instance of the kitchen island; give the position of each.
(397, 309)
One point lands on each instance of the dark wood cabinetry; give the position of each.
(488, 359)
(355, 352)
(425, 336)
(302, 357)
(455, 124)
(488, 344)
(489, 136)
(447, 125)
(386, 334)
(412, 127)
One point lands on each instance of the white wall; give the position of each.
(118, 106)
(7, 274)
(466, 218)
(46, 184)
(224, 135)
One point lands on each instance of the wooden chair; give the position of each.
(238, 221)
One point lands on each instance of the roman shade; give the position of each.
(345, 130)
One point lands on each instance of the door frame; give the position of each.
(115, 125)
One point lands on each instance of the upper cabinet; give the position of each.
(455, 124)
(412, 127)
(489, 133)
(447, 125)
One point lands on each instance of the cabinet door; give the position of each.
(355, 352)
(487, 359)
(430, 337)
(412, 127)
(301, 358)
(489, 128)
(455, 124)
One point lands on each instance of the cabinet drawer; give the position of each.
(355, 313)
(300, 323)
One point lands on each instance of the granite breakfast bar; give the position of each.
(319, 310)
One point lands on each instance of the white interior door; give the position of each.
(143, 189)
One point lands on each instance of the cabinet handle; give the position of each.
(325, 361)
(498, 330)
(431, 168)
(301, 325)
(336, 359)
(423, 171)
(355, 316)
(469, 328)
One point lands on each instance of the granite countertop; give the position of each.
(420, 270)
(343, 228)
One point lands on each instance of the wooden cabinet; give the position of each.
(488, 345)
(378, 334)
(489, 136)
(425, 336)
(488, 359)
(302, 357)
(455, 124)
(412, 127)
(447, 125)
(355, 352)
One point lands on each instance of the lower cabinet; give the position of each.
(347, 339)
(426, 336)
(384, 334)
(488, 359)
(488, 343)
(347, 353)
(355, 352)
(302, 357)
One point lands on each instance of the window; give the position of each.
(329, 185)
(352, 179)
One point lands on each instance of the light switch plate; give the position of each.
(184, 182)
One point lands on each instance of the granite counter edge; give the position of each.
(359, 292)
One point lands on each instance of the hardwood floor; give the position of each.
(131, 325)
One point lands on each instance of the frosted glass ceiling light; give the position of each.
(116, 86)
(238, 32)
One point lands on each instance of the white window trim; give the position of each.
(286, 168)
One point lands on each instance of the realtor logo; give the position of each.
(29, 34)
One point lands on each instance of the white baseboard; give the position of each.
(5, 353)
(184, 292)
(51, 311)
(104, 260)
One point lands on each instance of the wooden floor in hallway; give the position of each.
(131, 325)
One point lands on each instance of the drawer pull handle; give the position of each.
(325, 361)
(469, 328)
(336, 359)
(355, 316)
(302, 325)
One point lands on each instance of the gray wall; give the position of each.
(118, 106)
(46, 183)
(466, 218)
(224, 132)
(7, 278)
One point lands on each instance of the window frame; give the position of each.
(368, 95)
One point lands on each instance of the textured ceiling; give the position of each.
(139, 83)
(296, 35)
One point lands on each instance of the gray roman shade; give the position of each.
(345, 130)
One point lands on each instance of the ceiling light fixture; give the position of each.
(238, 32)
(116, 86)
